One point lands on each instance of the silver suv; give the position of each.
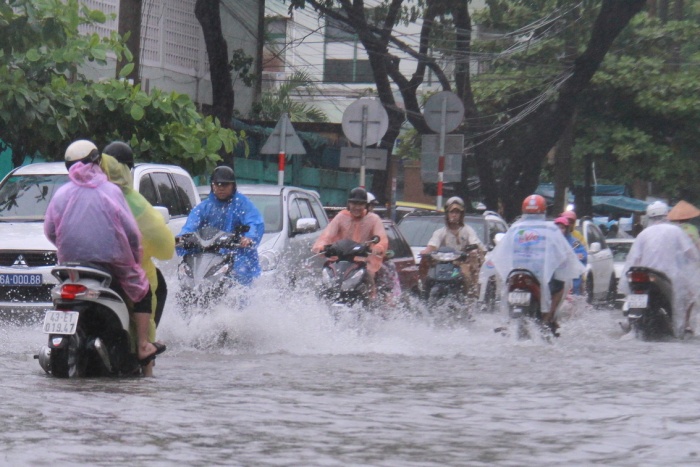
(27, 256)
(294, 219)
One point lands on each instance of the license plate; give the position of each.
(61, 322)
(519, 298)
(20, 279)
(637, 300)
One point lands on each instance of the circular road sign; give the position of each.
(377, 122)
(454, 111)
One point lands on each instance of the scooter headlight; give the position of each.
(183, 271)
(225, 268)
(351, 282)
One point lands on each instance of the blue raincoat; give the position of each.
(226, 216)
(582, 256)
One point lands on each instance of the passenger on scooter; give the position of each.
(460, 236)
(668, 249)
(357, 224)
(580, 251)
(156, 238)
(537, 245)
(226, 209)
(89, 220)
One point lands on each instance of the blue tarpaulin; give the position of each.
(618, 205)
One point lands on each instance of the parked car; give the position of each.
(294, 218)
(403, 258)
(620, 247)
(601, 285)
(27, 256)
(419, 226)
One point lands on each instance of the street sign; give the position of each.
(453, 111)
(375, 126)
(290, 144)
(283, 141)
(375, 159)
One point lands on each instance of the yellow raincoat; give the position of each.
(158, 241)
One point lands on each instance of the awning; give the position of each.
(618, 205)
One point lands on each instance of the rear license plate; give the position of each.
(20, 279)
(637, 300)
(61, 322)
(519, 298)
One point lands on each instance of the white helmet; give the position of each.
(371, 199)
(657, 209)
(81, 150)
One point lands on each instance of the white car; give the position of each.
(620, 248)
(27, 256)
(601, 284)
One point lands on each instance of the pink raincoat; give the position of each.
(89, 221)
(344, 225)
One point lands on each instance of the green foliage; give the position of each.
(242, 65)
(276, 102)
(45, 102)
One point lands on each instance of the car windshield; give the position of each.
(270, 206)
(418, 230)
(620, 250)
(24, 198)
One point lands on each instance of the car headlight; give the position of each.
(269, 260)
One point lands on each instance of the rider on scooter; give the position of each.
(357, 224)
(668, 249)
(89, 221)
(537, 245)
(456, 234)
(157, 239)
(226, 209)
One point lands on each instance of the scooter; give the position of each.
(648, 307)
(524, 300)
(344, 277)
(203, 273)
(88, 327)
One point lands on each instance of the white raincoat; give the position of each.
(666, 248)
(538, 246)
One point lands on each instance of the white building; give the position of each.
(334, 58)
(173, 53)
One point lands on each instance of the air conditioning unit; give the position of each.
(271, 79)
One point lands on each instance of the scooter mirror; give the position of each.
(374, 239)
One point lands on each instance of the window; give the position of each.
(185, 192)
(26, 197)
(148, 190)
(345, 59)
(167, 195)
(399, 247)
(319, 213)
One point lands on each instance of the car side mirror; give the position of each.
(595, 247)
(305, 225)
(163, 211)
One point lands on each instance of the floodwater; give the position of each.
(281, 383)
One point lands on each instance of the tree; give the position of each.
(45, 102)
(275, 103)
(522, 131)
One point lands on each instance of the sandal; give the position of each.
(160, 348)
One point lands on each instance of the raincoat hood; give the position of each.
(116, 172)
(87, 175)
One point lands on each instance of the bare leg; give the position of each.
(556, 300)
(144, 347)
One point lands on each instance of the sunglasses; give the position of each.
(222, 184)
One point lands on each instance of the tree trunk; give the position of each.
(209, 16)
(130, 21)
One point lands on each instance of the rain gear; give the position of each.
(157, 239)
(582, 255)
(89, 220)
(226, 216)
(538, 246)
(666, 248)
(359, 230)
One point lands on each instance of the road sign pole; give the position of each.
(363, 153)
(441, 155)
(282, 156)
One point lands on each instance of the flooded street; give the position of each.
(287, 385)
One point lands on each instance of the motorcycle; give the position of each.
(204, 271)
(524, 301)
(88, 327)
(344, 277)
(648, 307)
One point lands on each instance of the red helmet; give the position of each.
(534, 204)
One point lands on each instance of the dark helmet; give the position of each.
(223, 174)
(358, 195)
(121, 152)
(83, 151)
